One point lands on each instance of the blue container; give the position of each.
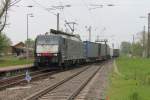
(91, 49)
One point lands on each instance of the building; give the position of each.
(20, 49)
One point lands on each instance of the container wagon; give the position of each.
(99, 52)
(111, 53)
(116, 52)
(103, 51)
(108, 52)
(91, 51)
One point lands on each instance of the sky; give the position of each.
(116, 23)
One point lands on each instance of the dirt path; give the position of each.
(116, 70)
(95, 90)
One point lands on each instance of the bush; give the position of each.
(134, 96)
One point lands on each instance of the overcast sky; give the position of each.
(120, 21)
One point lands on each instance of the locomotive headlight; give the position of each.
(55, 54)
(38, 54)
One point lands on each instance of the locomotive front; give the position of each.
(47, 50)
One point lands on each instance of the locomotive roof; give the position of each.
(47, 35)
(66, 35)
(60, 32)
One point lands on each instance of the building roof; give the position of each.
(19, 45)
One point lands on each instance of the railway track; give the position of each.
(21, 91)
(12, 81)
(68, 88)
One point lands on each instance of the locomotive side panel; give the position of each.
(74, 50)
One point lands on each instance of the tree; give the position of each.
(30, 43)
(125, 47)
(137, 49)
(5, 5)
(4, 43)
(141, 44)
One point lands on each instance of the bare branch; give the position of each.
(14, 2)
(4, 6)
(4, 24)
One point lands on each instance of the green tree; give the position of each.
(4, 43)
(137, 49)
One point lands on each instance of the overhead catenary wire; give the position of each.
(43, 7)
(14, 2)
(88, 9)
(65, 18)
(62, 10)
(49, 10)
(93, 22)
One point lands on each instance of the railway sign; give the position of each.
(28, 77)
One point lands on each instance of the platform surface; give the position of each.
(12, 68)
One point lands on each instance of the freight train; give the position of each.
(62, 49)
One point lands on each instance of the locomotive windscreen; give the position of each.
(47, 40)
(47, 44)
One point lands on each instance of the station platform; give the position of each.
(14, 68)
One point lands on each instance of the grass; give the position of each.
(134, 81)
(12, 61)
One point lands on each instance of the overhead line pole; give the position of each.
(27, 46)
(90, 28)
(144, 43)
(133, 42)
(133, 39)
(57, 21)
(148, 40)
